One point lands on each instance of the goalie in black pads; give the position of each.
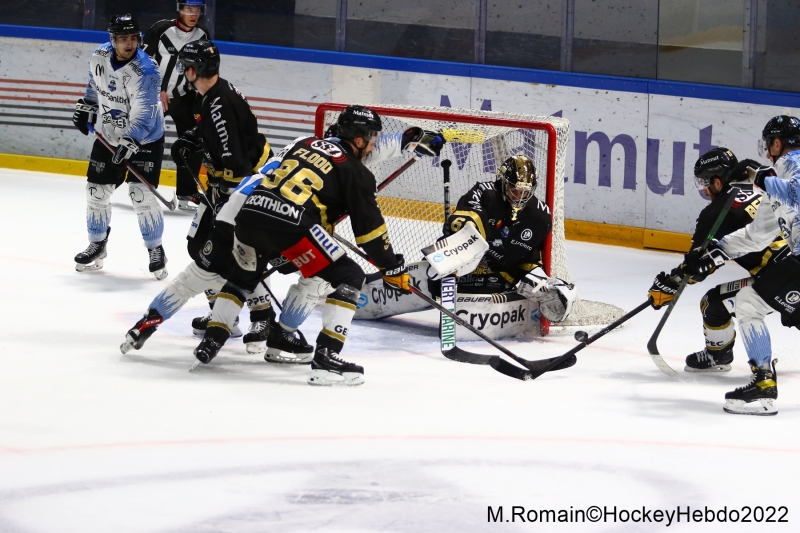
(290, 214)
(719, 174)
(513, 225)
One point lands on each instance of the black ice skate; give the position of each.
(763, 388)
(290, 347)
(709, 361)
(258, 333)
(142, 331)
(328, 369)
(92, 257)
(200, 323)
(158, 262)
(207, 350)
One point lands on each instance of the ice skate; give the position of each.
(158, 262)
(259, 330)
(327, 369)
(141, 331)
(200, 323)
(92, 257)
(207, 350)
(285, 346)
(705, 361)
(758, 396)
(187, 203)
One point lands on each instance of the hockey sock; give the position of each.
(337, 316)
(750, 312)
(259, 304)
(149, 213)
(98, 210)
(300, 301)
(719, 338)
(189, 283)
(226, 309)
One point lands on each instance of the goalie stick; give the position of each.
(497, 363)
(170, 205)
(652, 346)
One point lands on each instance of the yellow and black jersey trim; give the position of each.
(372, 235)
(474, 217)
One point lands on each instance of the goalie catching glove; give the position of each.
(397, 278)
(555, 296)
(422, 141)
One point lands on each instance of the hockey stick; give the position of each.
(652, 346)
(537, 368)
(499, 366)
(196, 179)
(170, 205)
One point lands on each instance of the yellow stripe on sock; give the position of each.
(337, 336)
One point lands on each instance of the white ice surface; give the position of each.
(93, 441)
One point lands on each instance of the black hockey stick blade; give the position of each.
(545, 365)
(652, 344)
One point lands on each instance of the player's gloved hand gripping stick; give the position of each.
(171, 205)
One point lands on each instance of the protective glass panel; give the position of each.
(443, 30)
(47, 13)
(524, 34)
(701, 41)
(616, 37)
(778, 46)
(146, 12)
(291, 23)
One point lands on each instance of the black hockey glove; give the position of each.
(422, 141)
(663, 290)
(698, 263)
(185, 146)
(759, 176)
(397, 278)
(126, 148)
(85, 113)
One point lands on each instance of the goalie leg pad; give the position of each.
(148, 211)
(98, 210)
(458, 254)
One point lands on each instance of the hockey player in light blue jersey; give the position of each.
(122, 104)
(778, 288)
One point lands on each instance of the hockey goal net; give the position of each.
(478, 143)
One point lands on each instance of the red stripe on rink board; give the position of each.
(276, 101)
(446, 438)
(31, 99)
(280, 110)
(10, 89)
(34, 82)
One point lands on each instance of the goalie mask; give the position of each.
(518, 176)
(716, 163)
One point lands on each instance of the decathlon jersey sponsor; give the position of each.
(126, 96)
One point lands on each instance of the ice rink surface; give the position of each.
(94, 441)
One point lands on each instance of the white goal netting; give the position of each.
(478, 142)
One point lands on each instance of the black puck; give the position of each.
(581, 336)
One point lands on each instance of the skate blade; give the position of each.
(274, 355)
(255, 348)
(710, 370)
(764, 407)
(160, 274)
(91, 267)
(323, 378)
(195, 365)
(198, 332)
(126, 347)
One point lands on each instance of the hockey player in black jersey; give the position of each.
(514, 224)
(719, 174)
(233, 150)
(291, 215)
(163, 41)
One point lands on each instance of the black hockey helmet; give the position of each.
(123, 25)
(192, 3)
(357, 121)
(783, 127)
(202, 55)
(518, 177)
(716, 163)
